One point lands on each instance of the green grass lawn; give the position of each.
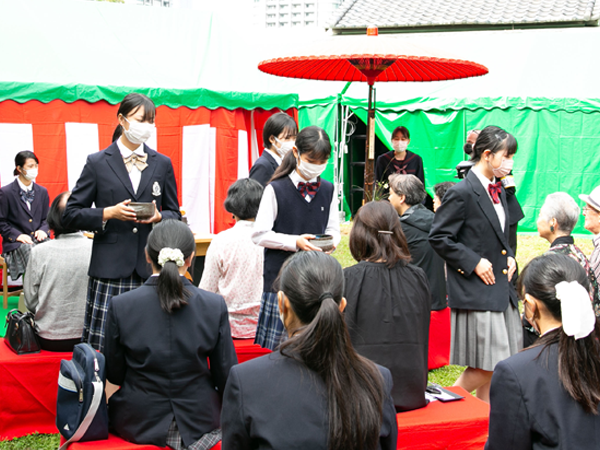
(528, 248)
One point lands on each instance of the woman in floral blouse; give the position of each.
(234, 264)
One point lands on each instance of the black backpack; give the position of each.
(81, 412)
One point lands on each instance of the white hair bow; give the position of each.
(578, 318)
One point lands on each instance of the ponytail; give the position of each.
(287, 166)
(311, 141)
(169, 244)
(117, 133)
(355, 390)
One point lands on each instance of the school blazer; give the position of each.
(17, 219)
(168, 365)
(275, 402)
(464, 230)
(118, 248)
(264, 168)
(531, 410)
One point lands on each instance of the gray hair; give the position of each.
(562, 207)
(409, 186)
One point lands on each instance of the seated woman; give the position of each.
(234, 265)
(55, 283)
(558, 216)
(315, 392)
(23, 211)
(389, 303)
(169, 347)
(547, 395)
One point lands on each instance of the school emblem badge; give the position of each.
(156, 189)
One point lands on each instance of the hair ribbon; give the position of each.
(578, 317)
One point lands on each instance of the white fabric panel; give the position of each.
(82, 140)
(198, 176)
(14, 137)
(243, 167)
(254, 142)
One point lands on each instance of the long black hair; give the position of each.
(130, 104)
(21, 159)
(171, 234)
(312, 141)
(578, 360)
(313, 282)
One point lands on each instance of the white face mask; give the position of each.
(139, 132)
(30, 174)
(504, 169)
(309, 170)
(399, 146)
(284, 147)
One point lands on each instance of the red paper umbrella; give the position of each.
(370, 58)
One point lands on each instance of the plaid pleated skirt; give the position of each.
(99, 293)
(481, 339)
(17, 260)
(206, 442)
(269, 330)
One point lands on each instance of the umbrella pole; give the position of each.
(370, 150)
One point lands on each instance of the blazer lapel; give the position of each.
(148, 172)
(17, 191)
(115, 161)
(488, 208)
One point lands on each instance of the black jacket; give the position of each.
(416, 224)
(465, 229)
(17, 219)
(388, 314)
(275, 402)
(264, 168)
(530, 409)
(118, 248)
(168, 365)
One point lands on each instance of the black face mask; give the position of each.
(468, 148)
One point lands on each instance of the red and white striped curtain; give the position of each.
(210, 149)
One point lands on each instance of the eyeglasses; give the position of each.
(589, 208)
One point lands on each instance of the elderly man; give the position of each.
(592, 223)
(406, 196)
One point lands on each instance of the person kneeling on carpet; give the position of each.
(55, 283)
(169, 347)
(314, 392)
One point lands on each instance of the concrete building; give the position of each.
(293, 13)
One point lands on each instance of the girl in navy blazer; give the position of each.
(470, 231)
(316, 392)
(296, 205)
(23, 209)
(126, 171)
(547, 396)
(279, 136)
(169, 347)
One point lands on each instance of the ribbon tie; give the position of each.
(308, 188)
(137, 160)
(495, 190)
(27, 196)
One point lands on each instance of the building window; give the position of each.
(310, 14)
(270, 24)
(283, 16)
(309, 5)
(296, 24)
(309, 23)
